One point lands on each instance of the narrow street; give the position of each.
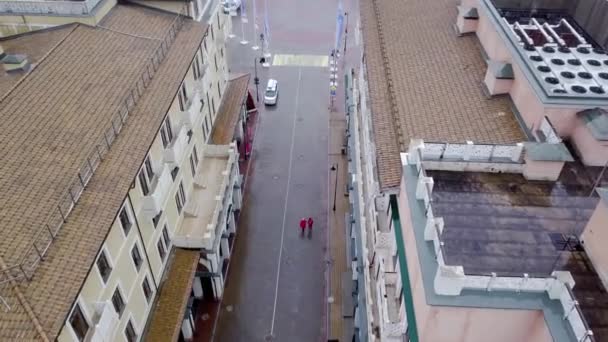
(277, 284)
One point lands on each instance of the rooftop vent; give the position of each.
(13, 62)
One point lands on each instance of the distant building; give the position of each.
(478, 164)
(120, 173)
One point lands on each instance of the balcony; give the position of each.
(192, 117)
(159, 192)
(104, 320)
(176, 151)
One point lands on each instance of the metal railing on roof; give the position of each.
(43, 238)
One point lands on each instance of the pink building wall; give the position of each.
(594, 239)
(564, 119)
(456, 324)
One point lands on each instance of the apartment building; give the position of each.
(120, 166)
(478, 162)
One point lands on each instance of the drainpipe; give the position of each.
(141, 238)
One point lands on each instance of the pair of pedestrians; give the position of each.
(304, 223)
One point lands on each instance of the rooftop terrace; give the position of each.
(506, 224)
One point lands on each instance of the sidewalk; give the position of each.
(340, 327)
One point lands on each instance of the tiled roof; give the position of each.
(228, 113)
(50, 122)
(166, 321)
(35, 46)
(425, 82)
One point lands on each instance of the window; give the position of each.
(180, 198)
(207, 126)
(212, 36)
(174, 172)
(207, 94)
(104, 266)
(125, 221)
(156, 218)
(218, 19)
(215, 62)
(166, 237)
(166, 133)
(137, 260)
(222, 52)
(149, 170)
(184, 92)
(192, 165)
(181, 102)
(213, 105)
(161, 249)
(147, 290)
(118, 302)
(79, 323)
(219, 90)
(130, 332)
(205, 44)
(143, 182)
(196, 69)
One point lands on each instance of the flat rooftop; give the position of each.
(506, 224)
(425, 82)
(195, 231)
(563, 60)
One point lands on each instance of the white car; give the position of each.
(272, 92)
(231, 6)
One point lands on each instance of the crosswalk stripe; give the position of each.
(301, 60)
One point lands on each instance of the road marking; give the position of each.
(300, 60)
(293, 140)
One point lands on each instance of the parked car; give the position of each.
(231, 5)
(272, 92)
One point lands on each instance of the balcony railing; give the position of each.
(67, 8)
(176, 151)
(159, 192)
(452, 279)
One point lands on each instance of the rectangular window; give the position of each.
(149, 170)
(166, 132)
(178, 203)
(79, 323)
(104, 266)
(196, 69)
(125, 221)
(147, 289)
(205, 44)
(213, 105)
(137, 260)
(118, 302)
(212, 36)
(218, 19)
(130, 332)
(182, 194)
(215, 61)
(195, 155)
(222, 52)
(161, 249)
(219, 90)
(166, 237)
(184, 92)
(181, 102)
(192, 165)
(207, 126)
(143, 182)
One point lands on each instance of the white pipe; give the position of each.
(523, 32)
(540, 28)
(554, 34)
(578, 36)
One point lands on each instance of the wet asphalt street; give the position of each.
(276, 284)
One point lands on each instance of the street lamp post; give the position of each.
(335, 168)
(256, 80)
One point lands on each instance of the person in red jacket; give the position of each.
(310, 222)
(303, 224)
